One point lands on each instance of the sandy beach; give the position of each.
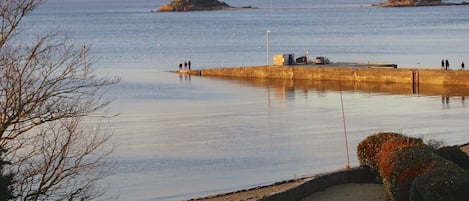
(352, 191)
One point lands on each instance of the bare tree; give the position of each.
(12, 12)
(47, 90)
(5, 180)
(61, 161)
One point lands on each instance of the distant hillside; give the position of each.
(193, 5)
(407, 3)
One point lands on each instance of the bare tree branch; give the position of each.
(12, 13)
(47, 90)
(64, 153)
(50, 82)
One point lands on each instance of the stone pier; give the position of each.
(414, 77)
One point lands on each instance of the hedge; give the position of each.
(443, 183)
(405, 164)
(455, 154)
(413, 171)
(368, 149)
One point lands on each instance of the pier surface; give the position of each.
(349, 72)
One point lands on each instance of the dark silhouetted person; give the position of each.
(185, 65)
(447, 64)
(462, 65)
(180, 66)
(189, 64)
(442, 64)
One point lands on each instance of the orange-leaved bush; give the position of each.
(406, 164)
(369, 148)
(386, 158)
(412, 170)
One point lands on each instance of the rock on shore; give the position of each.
(193, 5)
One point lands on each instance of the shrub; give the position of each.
(411, 169)
(405, 164)
(386, 158)
(434, 144)
(443, 183)
(454, 154)
(369, 148)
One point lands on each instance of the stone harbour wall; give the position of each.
(381, 75)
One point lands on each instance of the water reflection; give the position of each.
(184, 78)
(285, 88)
(445, 101)
(264, 130)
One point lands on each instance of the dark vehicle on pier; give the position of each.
(301, 60)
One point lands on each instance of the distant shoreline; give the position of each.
(208, 9)
(380, 5)
(196, 5)
(387, 5)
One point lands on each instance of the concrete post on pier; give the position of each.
(415, 82)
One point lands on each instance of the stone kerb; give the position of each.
(355, 175)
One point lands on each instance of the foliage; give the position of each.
(434, 144)
(454, 154)
(411, 169)
(387, 157)
(186, 5)
(448, 183)
(209, 3)
(405, 164)
(369, 148)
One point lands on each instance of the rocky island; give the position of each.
(412, 3)
(194, 5)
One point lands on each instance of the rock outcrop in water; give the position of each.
(411, 3)
(193, 5)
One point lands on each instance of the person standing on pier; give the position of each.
(180, 66)
(189, 64)
(442, 64)
(185, 65)
(447, 64)
(462, 65)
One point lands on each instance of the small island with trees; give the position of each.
(195, 5)
(414, 3)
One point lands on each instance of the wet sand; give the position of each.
(352, 191)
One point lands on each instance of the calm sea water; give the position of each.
(184, 137)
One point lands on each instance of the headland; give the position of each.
(196, 5)
(210, 5)
(416, 3)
